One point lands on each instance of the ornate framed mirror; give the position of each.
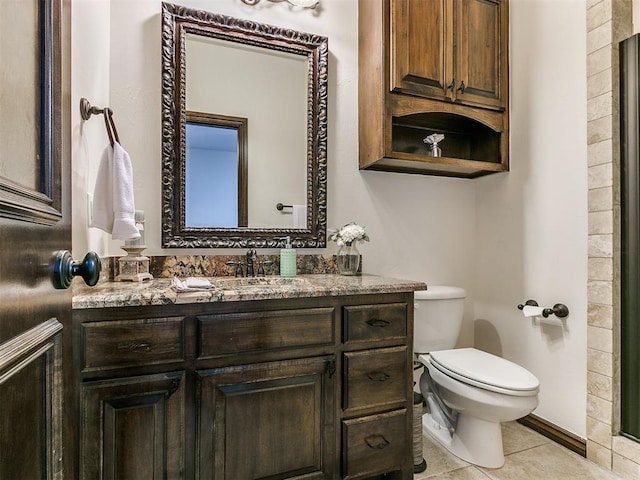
(275, 79)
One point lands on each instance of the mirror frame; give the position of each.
(177, 21)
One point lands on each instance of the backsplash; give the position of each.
(216, 265)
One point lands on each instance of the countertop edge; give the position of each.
(159, 291)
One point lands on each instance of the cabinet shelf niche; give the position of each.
(470, 148)
(464, 138)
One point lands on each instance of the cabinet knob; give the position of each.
(452, 85)
(461, 87)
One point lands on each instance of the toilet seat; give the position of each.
(486, 371)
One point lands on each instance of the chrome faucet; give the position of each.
(252, 257)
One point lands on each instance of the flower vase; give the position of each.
(348, 259)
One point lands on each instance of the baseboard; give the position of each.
(556, 433)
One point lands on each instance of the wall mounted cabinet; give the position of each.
(434, 67)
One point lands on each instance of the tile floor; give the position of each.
(529, 456)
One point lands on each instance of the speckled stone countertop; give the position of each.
(229, 289)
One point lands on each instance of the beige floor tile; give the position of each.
(548, 462)
(438, 458)
(467, 473)
(517, 437)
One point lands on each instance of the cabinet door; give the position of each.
(132, 428)
(481, 30)
(421, 47)
(269, 420)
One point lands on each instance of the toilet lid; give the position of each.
(484, 370)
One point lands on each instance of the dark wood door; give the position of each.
(133, 428)
(270, 420)
(34, 223)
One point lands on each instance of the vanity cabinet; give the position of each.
(434, 67)
(299, 388)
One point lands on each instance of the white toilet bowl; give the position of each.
(484, 390)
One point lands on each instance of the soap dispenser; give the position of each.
(288, 260)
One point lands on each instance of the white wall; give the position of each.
(420, 227)
(504, 238)
(531, 239)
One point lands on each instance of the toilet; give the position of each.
(468, 392)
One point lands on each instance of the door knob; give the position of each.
(64, 269)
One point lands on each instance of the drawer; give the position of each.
(375, 444)
(375, 322)
(261, 331)
(126, 343)
(375, 377)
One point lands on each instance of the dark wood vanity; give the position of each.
(316, 387)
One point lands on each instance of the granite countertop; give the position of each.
(229, 289)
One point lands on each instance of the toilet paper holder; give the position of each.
(559, 309)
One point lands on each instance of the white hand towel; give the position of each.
(190, 284)
(299, 216)
(113, 202)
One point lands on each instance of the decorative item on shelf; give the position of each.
(433, 140)
(348, 256)
(134, 267)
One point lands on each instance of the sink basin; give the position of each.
(256, 282)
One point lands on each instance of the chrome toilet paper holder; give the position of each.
(559, 309)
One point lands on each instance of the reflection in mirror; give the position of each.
(270, 89)
(215, 171)
(276, 79)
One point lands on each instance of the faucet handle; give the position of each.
(261, 267)
(238, 265)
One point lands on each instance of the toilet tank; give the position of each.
(437, 318)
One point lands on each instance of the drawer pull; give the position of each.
(378, 376)
(378, 322)
(376, 442)
(132, 347)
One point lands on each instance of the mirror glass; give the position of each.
(249, 183)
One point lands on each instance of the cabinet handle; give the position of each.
(132, 347)
(378, 322)
(378, 376)
(376, 442)
(461, 88)
(452, 85)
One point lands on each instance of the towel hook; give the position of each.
(86, 110)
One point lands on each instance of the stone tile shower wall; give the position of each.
(608, 22)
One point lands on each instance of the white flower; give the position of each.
(351, 232)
